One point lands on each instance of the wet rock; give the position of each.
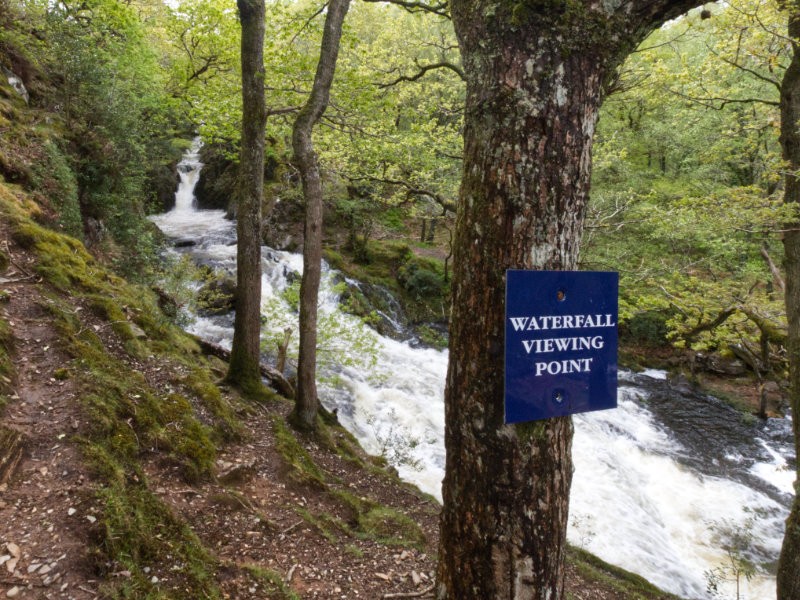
(237, 474)
(715, 363)
(217, 297)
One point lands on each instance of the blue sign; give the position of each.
(561, 343)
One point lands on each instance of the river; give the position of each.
(660, 483)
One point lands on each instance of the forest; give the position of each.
(252, 280)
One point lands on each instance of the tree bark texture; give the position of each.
(788, 576)
(535, 75)
(306, 403)
(244, 364)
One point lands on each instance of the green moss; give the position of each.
(629, 585)
(228, 427)
(432, 337)
(325, 523)
(136, 530)
(374, 521)
(302, 467)
(389, 526)
(416, 282)
(272, 583)
(532, 430)
(61, 374)
(337, 439)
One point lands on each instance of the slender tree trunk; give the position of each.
(788, 577)
(245, 353)
(535, 73)
(306, 405)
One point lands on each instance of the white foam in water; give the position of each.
(654, 374)
(632, 504)
(777, 472)
(636, 507)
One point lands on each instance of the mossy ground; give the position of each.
(608, 581)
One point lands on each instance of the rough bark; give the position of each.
(535, 73)
(788, 577)
(306, 405)
(245, 352)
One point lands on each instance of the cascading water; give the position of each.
(659, 482)
(189, 172)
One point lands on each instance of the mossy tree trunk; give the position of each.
(245, 352)
(535, 75)
(788, 577)
(306, 405)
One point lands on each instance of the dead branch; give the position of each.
(776, 273)
(419, 594)
(277, 380)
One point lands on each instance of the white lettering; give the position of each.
(563, 367)
(519, 322)
(572, 344)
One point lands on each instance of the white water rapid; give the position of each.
(658, 482)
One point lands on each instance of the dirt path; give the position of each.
(44, 508)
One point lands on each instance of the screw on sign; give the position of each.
(561, 343)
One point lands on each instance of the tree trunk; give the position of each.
(431, 230)
(535, 73)
(245, 351)
(788, 577)
(306, 405)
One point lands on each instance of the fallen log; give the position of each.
(276, 379)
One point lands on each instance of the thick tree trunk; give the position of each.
(535, 73)
(789, 564)
(244, 365)
(306, 405)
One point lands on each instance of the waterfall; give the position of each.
(656, 489)
(189, 172)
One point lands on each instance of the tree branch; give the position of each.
(723, 102)
(442, 8)
(423, 70)
(776, 273)
(412, 190)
